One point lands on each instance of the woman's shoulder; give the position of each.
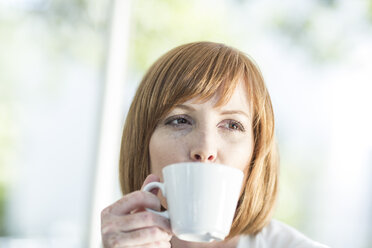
(278, 235)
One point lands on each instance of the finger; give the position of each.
(151, 178)
(132, 201)
(138, 237)
(157, 244)
(134, 222)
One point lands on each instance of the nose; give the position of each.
(203, 148)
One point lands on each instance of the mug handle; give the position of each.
(148, 188)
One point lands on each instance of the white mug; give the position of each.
(201, 198)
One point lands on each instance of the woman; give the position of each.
(202, 102)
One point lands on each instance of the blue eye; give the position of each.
(177, 121)
(234, 126)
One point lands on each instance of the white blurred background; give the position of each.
(68, 70)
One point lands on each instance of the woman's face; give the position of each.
(200, 132)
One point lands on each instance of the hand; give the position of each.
(126, 223)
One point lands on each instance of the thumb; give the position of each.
(151, 178)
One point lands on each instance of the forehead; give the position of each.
(237, 100)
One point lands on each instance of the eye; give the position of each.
(177, 120)
(233, 125)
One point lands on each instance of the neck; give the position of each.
(231, 243)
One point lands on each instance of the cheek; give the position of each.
(156, 150)
(245, 158)
(245, 155)
(164, 150)
(239, 154)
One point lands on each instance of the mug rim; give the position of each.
(187, 164)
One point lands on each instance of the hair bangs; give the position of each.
(202, 74)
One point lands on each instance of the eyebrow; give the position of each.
(229, 112)
(181, 106)
(225, 112)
